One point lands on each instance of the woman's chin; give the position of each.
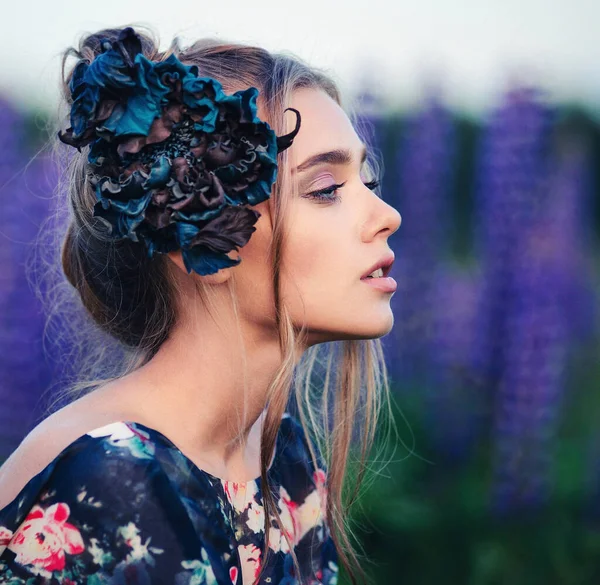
(376, 328)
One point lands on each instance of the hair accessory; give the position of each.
(176, 158)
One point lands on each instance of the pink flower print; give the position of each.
(289, 514)
(289, 524)
(250, 561)
(256, 518)
(277, 541)
(5, 536)
(320, 479)
(44, 536)
(241, 495)
(310, 513)
(233, 575)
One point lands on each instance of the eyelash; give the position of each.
(325, 194)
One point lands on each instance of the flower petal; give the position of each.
(73, 540)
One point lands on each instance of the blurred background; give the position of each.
(486, 118)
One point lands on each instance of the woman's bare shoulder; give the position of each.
(54, 434)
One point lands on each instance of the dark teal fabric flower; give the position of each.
(173, 159)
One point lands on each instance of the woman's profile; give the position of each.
(225, 228)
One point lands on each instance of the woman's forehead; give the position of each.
(324, 126)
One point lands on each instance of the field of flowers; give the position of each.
(495, 352)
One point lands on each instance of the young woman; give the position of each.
(187, 468)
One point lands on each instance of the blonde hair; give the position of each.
(131, 298)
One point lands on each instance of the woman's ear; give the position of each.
(217, 278)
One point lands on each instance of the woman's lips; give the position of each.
(383, 283)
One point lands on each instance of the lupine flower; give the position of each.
(508, 180)
(26, 188)
(425, 164)
(454, 404)
(518, 349)
(531, 387)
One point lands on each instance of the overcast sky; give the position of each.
(470, 47)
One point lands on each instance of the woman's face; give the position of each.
(329, 245)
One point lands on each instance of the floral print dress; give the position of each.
(123, 505)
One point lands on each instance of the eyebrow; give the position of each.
(339, 156)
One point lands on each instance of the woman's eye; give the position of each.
(327, 194)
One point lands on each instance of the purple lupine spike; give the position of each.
(424, 161)
(531, 387)
(520, 342)
(454, 404)
(25, 369)
(11, 140)
(508, 177)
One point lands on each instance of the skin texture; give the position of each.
(193, 388)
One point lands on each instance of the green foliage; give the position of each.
(427, 521)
